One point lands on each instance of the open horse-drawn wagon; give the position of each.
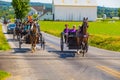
(32, 36)
(29, 33)
(76, 40)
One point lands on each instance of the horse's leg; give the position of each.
(81, 45)
(34, 48)
(79, 42)
(85, 40)
(78, 45)
(31, 47)
(86, 45)
(35, 43)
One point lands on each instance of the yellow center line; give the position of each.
(110, 71)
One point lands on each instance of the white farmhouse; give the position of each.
(32, 11)
(74, 10)
(46, 16)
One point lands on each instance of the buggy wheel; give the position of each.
(61, 42)
(14, 35)
(43, 43)
(41, 40)
(84, 48)
(20, 42)
(18, 37)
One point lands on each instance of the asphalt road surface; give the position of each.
(52, 64)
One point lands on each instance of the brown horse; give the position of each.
(82, 37)
(33, 37)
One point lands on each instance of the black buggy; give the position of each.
(71, 43)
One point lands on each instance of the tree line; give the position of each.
(110, 12)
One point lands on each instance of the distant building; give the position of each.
(46, 16)
(32, 11)
(43, 13)
(37, 10)
(74, 10)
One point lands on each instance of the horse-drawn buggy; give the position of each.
(29, 33)
(76, 40)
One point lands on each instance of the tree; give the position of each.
(35, 16)
(21, 8)
(111, 14)
(119, 13)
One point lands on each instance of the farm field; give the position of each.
(104, 35)
(3, 42)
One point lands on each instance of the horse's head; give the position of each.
(34, 29)
(85, 22)
(85, 25)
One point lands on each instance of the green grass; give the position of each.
(105, 42)
(105, 28)
(3, 75)
(3, 42)
(104, 35)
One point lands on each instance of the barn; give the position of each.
(74, 10)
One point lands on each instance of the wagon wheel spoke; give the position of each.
(62, 42)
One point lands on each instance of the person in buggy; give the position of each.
(65, 32)
(25, 28)
(26, 31)
(73, 30)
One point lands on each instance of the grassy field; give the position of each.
(3, 75)
(3, 42)
(104, 35)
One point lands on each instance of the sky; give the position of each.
(105, 3)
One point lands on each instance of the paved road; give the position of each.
(51, 64)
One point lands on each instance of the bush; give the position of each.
(3, 75)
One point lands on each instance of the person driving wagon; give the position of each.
(66, 31)
(26, 28)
